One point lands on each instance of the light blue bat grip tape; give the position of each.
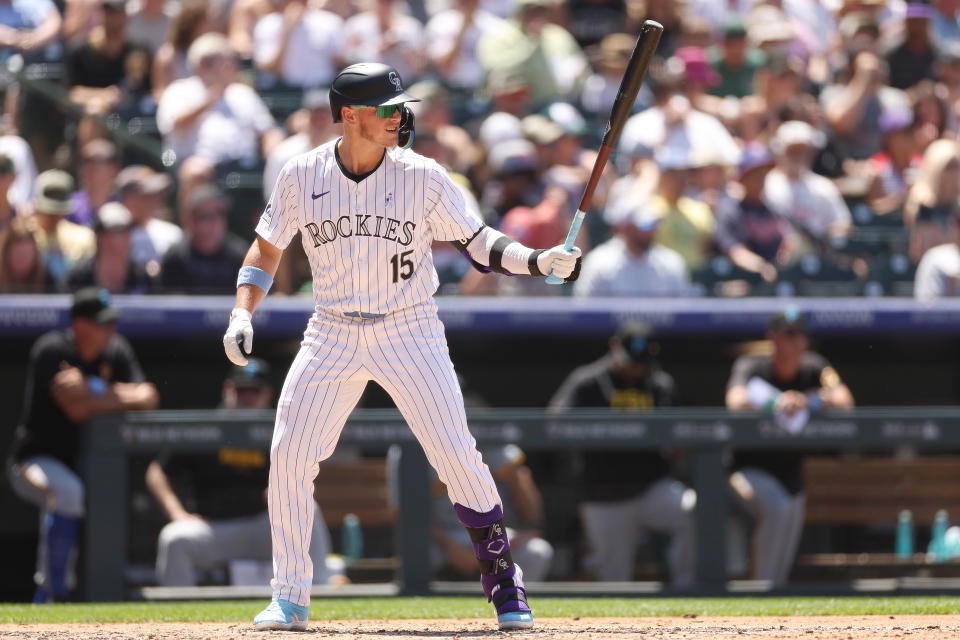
(256, 277)
(569, 242)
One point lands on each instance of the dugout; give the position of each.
(511, 353)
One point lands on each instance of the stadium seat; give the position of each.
(891, 274)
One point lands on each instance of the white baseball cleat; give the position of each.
(282, 615)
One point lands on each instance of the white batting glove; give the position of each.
(239, 335)
(558, 261)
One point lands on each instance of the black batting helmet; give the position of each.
(369, 84)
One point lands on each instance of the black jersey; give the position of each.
(45, 429)
(231, 483)
(617, 474)
(813, 374)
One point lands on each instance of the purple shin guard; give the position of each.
(501, 579)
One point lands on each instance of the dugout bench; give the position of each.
(706, 433)
(869, 492)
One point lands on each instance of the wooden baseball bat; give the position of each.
(650, 34)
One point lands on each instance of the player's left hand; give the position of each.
(239, 334)
(562, 263)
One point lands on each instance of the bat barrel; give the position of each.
(647, 43)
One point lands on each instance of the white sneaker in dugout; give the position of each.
(283, 615)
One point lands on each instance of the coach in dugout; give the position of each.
(74, 374)
(791, 384)
(628, 492)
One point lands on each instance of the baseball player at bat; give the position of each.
(368, 210)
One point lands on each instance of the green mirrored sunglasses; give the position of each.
(385, 111)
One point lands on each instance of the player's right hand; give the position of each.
(559, 261)
(239, 337)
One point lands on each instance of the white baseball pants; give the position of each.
(406, 353)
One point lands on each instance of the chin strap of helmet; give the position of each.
(406, 127)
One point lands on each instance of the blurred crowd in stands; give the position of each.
(777, 147)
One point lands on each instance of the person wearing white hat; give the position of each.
(811, 202)
(62, 242)
(632, 262)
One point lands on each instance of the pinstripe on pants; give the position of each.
(406, 353)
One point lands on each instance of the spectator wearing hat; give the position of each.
(499, 126)
(510, 92)
(208, 257)
(216, 503)
(141, 190)
(210, 114)
(317, 127)
(749, 233)
(770, 30)
(62, 242)
(912, 59)
(685, 225)
(632, 263)
(453, 35)
(99, 166)
(112, 268)
(789, 383)
(810, 202)
(734, 61)
(73, 374)
(299, 45)
(893, 169)
(709, 177)
(626, 493)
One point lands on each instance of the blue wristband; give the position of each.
(256, 277)
(814, 402)
(96, 386)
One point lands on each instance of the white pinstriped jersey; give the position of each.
(369, 242)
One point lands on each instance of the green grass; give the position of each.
(470, 607)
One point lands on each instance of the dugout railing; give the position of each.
(707, 434)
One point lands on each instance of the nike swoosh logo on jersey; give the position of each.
(319, 195)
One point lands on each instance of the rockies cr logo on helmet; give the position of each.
(394, 78)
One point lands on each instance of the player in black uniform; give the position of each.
(627, 492)
(74, 374)
(790, 384)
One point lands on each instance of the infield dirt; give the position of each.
(692, 628)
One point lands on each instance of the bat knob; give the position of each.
(552, 279)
